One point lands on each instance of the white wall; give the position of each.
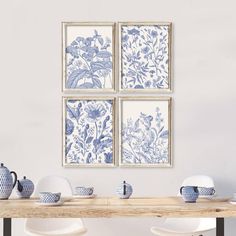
(204, 115)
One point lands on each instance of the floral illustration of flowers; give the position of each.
(145, 140)
(89, 62)
(144, 52)
(88, 132)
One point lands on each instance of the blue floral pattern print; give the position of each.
(145, 140)
(88, 132)
(89, 62)
(144, 53)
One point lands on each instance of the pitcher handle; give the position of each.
(15, 176)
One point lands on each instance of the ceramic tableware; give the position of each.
(48, 197)
(59, 203)
(83, 191)
(84, 196)
(125, 190)
(207, 196)
(24, 188)
(206, 191)
(189, 193)
(6, 182)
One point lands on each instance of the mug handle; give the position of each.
(181, 190)
(15, 178)
(58, 198)
(195, 188)
(91, 191)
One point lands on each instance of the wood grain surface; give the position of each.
(114, 207)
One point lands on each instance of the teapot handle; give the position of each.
(181, 190)
(15, 178)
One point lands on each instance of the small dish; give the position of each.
(84, 196)
(59, 203)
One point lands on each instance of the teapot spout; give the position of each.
(19, 186)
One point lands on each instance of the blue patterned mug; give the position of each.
(206, 191)
(84, 191)
(189, 193)
(48, 197)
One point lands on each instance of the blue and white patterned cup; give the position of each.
(189, 193)
(48, 197)
(84, 191)
(206, 191)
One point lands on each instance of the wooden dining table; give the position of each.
(107, 207)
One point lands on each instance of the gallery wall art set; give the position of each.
(112, 113)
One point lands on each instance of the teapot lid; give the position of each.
(2, 166)
(24, 178)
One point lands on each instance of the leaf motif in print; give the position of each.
(69, 127)
(89, 140)
(97, 83)
(100, 40)
(74, 113)
(104, 54)
(145, 140)
(101, 65)
(164, 134)
(89, 57)
(144, 53)
(92, 134)
(74, 77)
(68, 147)
(86, 85)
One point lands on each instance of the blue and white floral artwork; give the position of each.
(88, 57)
(145, 132)
(145, 57)
(88, 137)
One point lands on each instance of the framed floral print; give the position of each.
(145, 132)
(145, 57)
(88, 57)
(88, 127)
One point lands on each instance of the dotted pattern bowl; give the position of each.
(47, 197)
(206, 191)
(84, 191)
